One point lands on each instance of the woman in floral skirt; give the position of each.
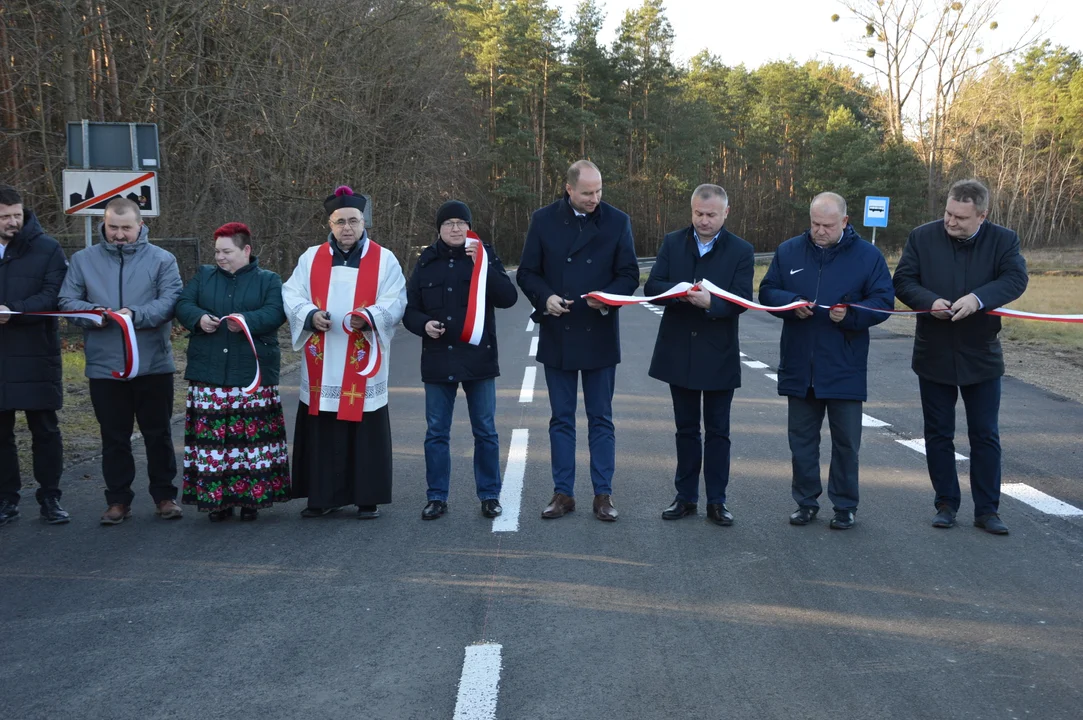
(235, 451)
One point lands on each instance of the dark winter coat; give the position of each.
(223, 358)
(31, 274)
(696, 348)
(830, 357)
(934, 265)
(439, 289)
(569, 256)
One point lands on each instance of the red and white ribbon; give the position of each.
(370, 360)
(258, 378)
(681, 290)
(474, 327)
(93, 316)
(131, 347)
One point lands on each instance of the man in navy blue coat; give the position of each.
(697, 351)
(824, 357)
(578, 245)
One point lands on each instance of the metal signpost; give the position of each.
(107, 161)
(876, 213)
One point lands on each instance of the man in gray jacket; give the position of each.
(128, 275)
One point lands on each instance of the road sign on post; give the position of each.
(109, 160)
(87, 192)
(876, 210)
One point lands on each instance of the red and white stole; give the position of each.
(351, 404)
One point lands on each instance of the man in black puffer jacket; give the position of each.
(32, 268)
(959, 267)
(437, 300)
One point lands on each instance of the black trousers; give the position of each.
(48, 454)
(693, 451)
(147, 399)
(806, 418)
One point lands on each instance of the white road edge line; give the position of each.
(1039, 500)
(511, 492)
(530, 374)
(755, 364)
(533, 346)
(919, 445)
(479, 683)
(870, 421)
(529, 325)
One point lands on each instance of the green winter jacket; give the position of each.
(223, 358)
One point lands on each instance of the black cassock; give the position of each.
(336, 462)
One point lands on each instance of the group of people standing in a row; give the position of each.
(346, 296)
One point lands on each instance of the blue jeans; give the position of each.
(692, 452)
(563, 387)
(481, 404)
(982, 403)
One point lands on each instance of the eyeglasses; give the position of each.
(352, 222)
(455, 224)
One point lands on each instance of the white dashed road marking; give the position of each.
(530, 374)
(533, 346)
(1038, 499)
(755, 364)
(530, 325)
(919, 445)
(511, 492)
(479, 683)
(870, 421)
(772, 376)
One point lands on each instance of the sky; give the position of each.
(764, 30)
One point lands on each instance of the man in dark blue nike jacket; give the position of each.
(825, 349)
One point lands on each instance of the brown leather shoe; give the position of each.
(558, 506)
(116, 514)
(603, 508)
(169, 510)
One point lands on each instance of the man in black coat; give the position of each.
(32, 269)
(575, 246)
(959, 267)
(697, 351)
(437, 303)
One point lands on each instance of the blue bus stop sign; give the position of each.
(876, 211)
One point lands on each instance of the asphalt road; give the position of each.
(339, 618)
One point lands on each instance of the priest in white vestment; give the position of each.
(344, 301)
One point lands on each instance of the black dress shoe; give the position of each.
(220, 515)
(491, 508)
(249, 514)
(678, 510)
(843, 520)
(434, 509)
(991, 524)
(367, 512)
(803, 515)
(314, 512)
(8, 512)
(719, 514)
(52, 513)
(945, 517)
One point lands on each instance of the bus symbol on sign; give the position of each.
(876, 211)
